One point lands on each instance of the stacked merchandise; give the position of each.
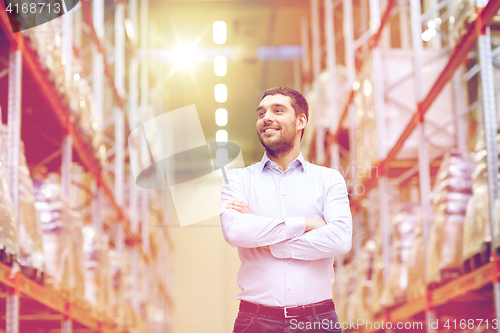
(98, 281)
(117, 302)
(31, 255)
(380, 293)
(8, 225)
(452, 192)
(364, 295)
(347, 299)
(416, 268)
(62, 237)
(29, 225)
(74, 92)
(462, 12)
(403, 237)
(477, 234)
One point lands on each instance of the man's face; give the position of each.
(277, 124)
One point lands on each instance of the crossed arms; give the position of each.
(303, 238)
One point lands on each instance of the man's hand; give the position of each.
(312, 223)
(239, 206)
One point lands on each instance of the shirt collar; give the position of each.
(298, 161)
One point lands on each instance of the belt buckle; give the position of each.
(286, 314)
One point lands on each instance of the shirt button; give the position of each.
(305, 257)
(289, 288)
(284, 215)
(283, 194)
(294, 234)
(282, 175)
(281, 254)
(289, 262)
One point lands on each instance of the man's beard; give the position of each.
(282, 144)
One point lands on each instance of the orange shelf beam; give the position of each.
(462, 285)
(49, 298)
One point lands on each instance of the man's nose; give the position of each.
(268, 116)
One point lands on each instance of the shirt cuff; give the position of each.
(280, 250)
(295, 226)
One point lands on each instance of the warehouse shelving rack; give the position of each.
(325, 149)
(23, 60)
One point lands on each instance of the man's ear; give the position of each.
(302, 122)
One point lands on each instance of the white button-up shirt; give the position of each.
(298, 268)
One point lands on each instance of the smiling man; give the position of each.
(289, 219)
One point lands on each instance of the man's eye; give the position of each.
(279, 110)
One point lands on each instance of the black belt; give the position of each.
(288, 311)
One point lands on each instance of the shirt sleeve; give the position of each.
(249, 230)
(333, 239)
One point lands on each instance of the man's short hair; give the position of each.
(299, 103)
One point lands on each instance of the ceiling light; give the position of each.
(220, 93)
(185, 56)
(220, 30)
(221, 136)
(221, 117)
(220, 65)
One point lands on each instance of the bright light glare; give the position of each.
(76, 77)
(221, 117)
(426, 36)
(129, 29)
(185, 56)
(431, 25)
(356, 85)
(220, 93)
(220, 29)
(221, 136)
(220, 65)
(367, 88)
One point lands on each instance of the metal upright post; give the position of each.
(423, 154)
(14, 135)
(66, 159)
(379, 108)
(331, 64)
(351, 76)
(12, 315)
(459, 107)
(119, 118)
(67, 326)
(490, 129)
(98, 63)
(306, 64)
(144, 84)
(134, 122)
(145, 221)
(67, 44)
(403, 25)
(97, 206)
(14, 126)
(316, 47)
(316, 53)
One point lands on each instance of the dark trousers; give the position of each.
(248, 322)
